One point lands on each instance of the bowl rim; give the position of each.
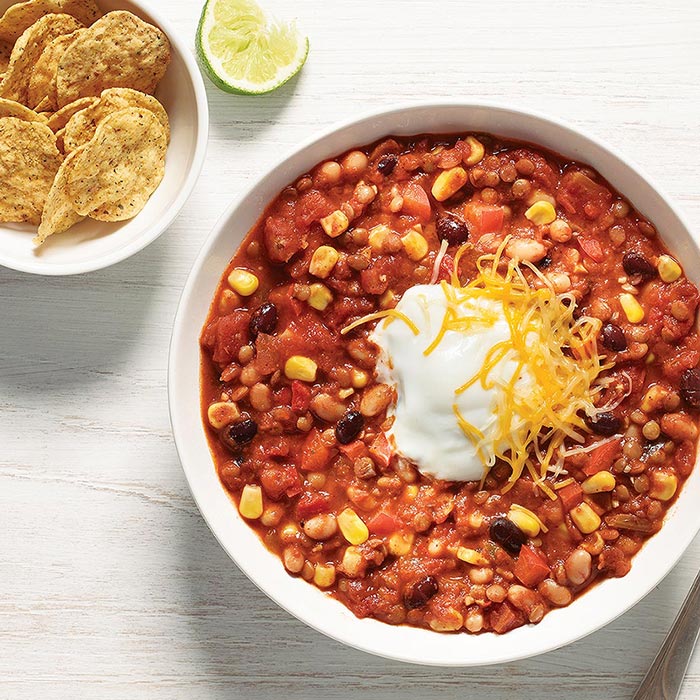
(366, 643)
(173, 211)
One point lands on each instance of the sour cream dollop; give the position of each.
(426, 429)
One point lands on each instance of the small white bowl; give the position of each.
(93, 245)
(595, 608)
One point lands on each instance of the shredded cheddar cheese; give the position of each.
(389, 314)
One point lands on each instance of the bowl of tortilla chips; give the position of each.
(103, 132)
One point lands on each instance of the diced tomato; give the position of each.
(483, 218)
(504, 618)
(315, 454)
(571, 496)
(353, 450)
(301, 397)
(382, 524)
(312, 503)
(602, 458)
(531, 567)
(277, 481)
(592, 249)
(416, 202)
(231, 334)
(282, 238)
(491, 219)
(381, 450)
(577, 193)
(283, 396)
(312, 206)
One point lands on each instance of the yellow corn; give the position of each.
(663, 486)
(319, 297)
(222, 413)
(324, 575)
(524, 522)
(301, 368)
(448, 182)
(377, 237)
(541, 213)
(477, 151)
(243, 282)
(669, 269)
(352, 527)
(359, 378)
(599, 483)
(540, 196)
(400, 543)
(585, 518)
(323, 261)
(251, 504)
(415, 245)
(654, 398)
(471, 556)
(632, 308)
(410, 492)
(345, 393)
(335, 223)
(353, 562)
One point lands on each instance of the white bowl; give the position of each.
(597, 607)
(92, 245)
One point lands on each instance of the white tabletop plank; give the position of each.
(111, 586)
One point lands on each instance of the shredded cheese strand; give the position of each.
(389, 314)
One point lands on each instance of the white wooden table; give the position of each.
(111, 585)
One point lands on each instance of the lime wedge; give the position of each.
(243, 51)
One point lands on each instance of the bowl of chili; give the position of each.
(273, 376)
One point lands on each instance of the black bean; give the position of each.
(634, 263)
(237, 434)
(690, 387)
(506, 533)
(349, 427)
(387, 163)
(604, 423)
(420, 592)
(452, 229)
(263, 320)
(545, 262)
(613, 338)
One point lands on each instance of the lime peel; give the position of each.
(245, 52)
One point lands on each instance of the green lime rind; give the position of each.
(247, 43)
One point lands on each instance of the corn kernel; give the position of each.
(415, 245)
(400, 543)
(524, 522)
(663, 486)
(353, 563)
(377, 236)
(324, 575)
(541, 213)
(222, 413)
(319, 296)
(448, 182)
(599, 483)
(540, 196)
(632, 308)
(359, 378)
(243, 282)
(335, 223)
(585, 518)
(477, 151)
(301, 368)
(471, 556)
(323, 261)
(346, 393)
(352, 527)
(410, 492)
(669, 269)
(251, 504)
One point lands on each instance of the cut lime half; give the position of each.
(245, 52)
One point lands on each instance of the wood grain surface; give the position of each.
(111, 585)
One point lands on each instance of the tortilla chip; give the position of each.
(42, 83)
(59, 214)
(119, 50)
(115, 174)
(18, 18)
(82, 126)
(59, 119)
(5, 53)
(29, 161)
(9, 108)
(29, 47)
